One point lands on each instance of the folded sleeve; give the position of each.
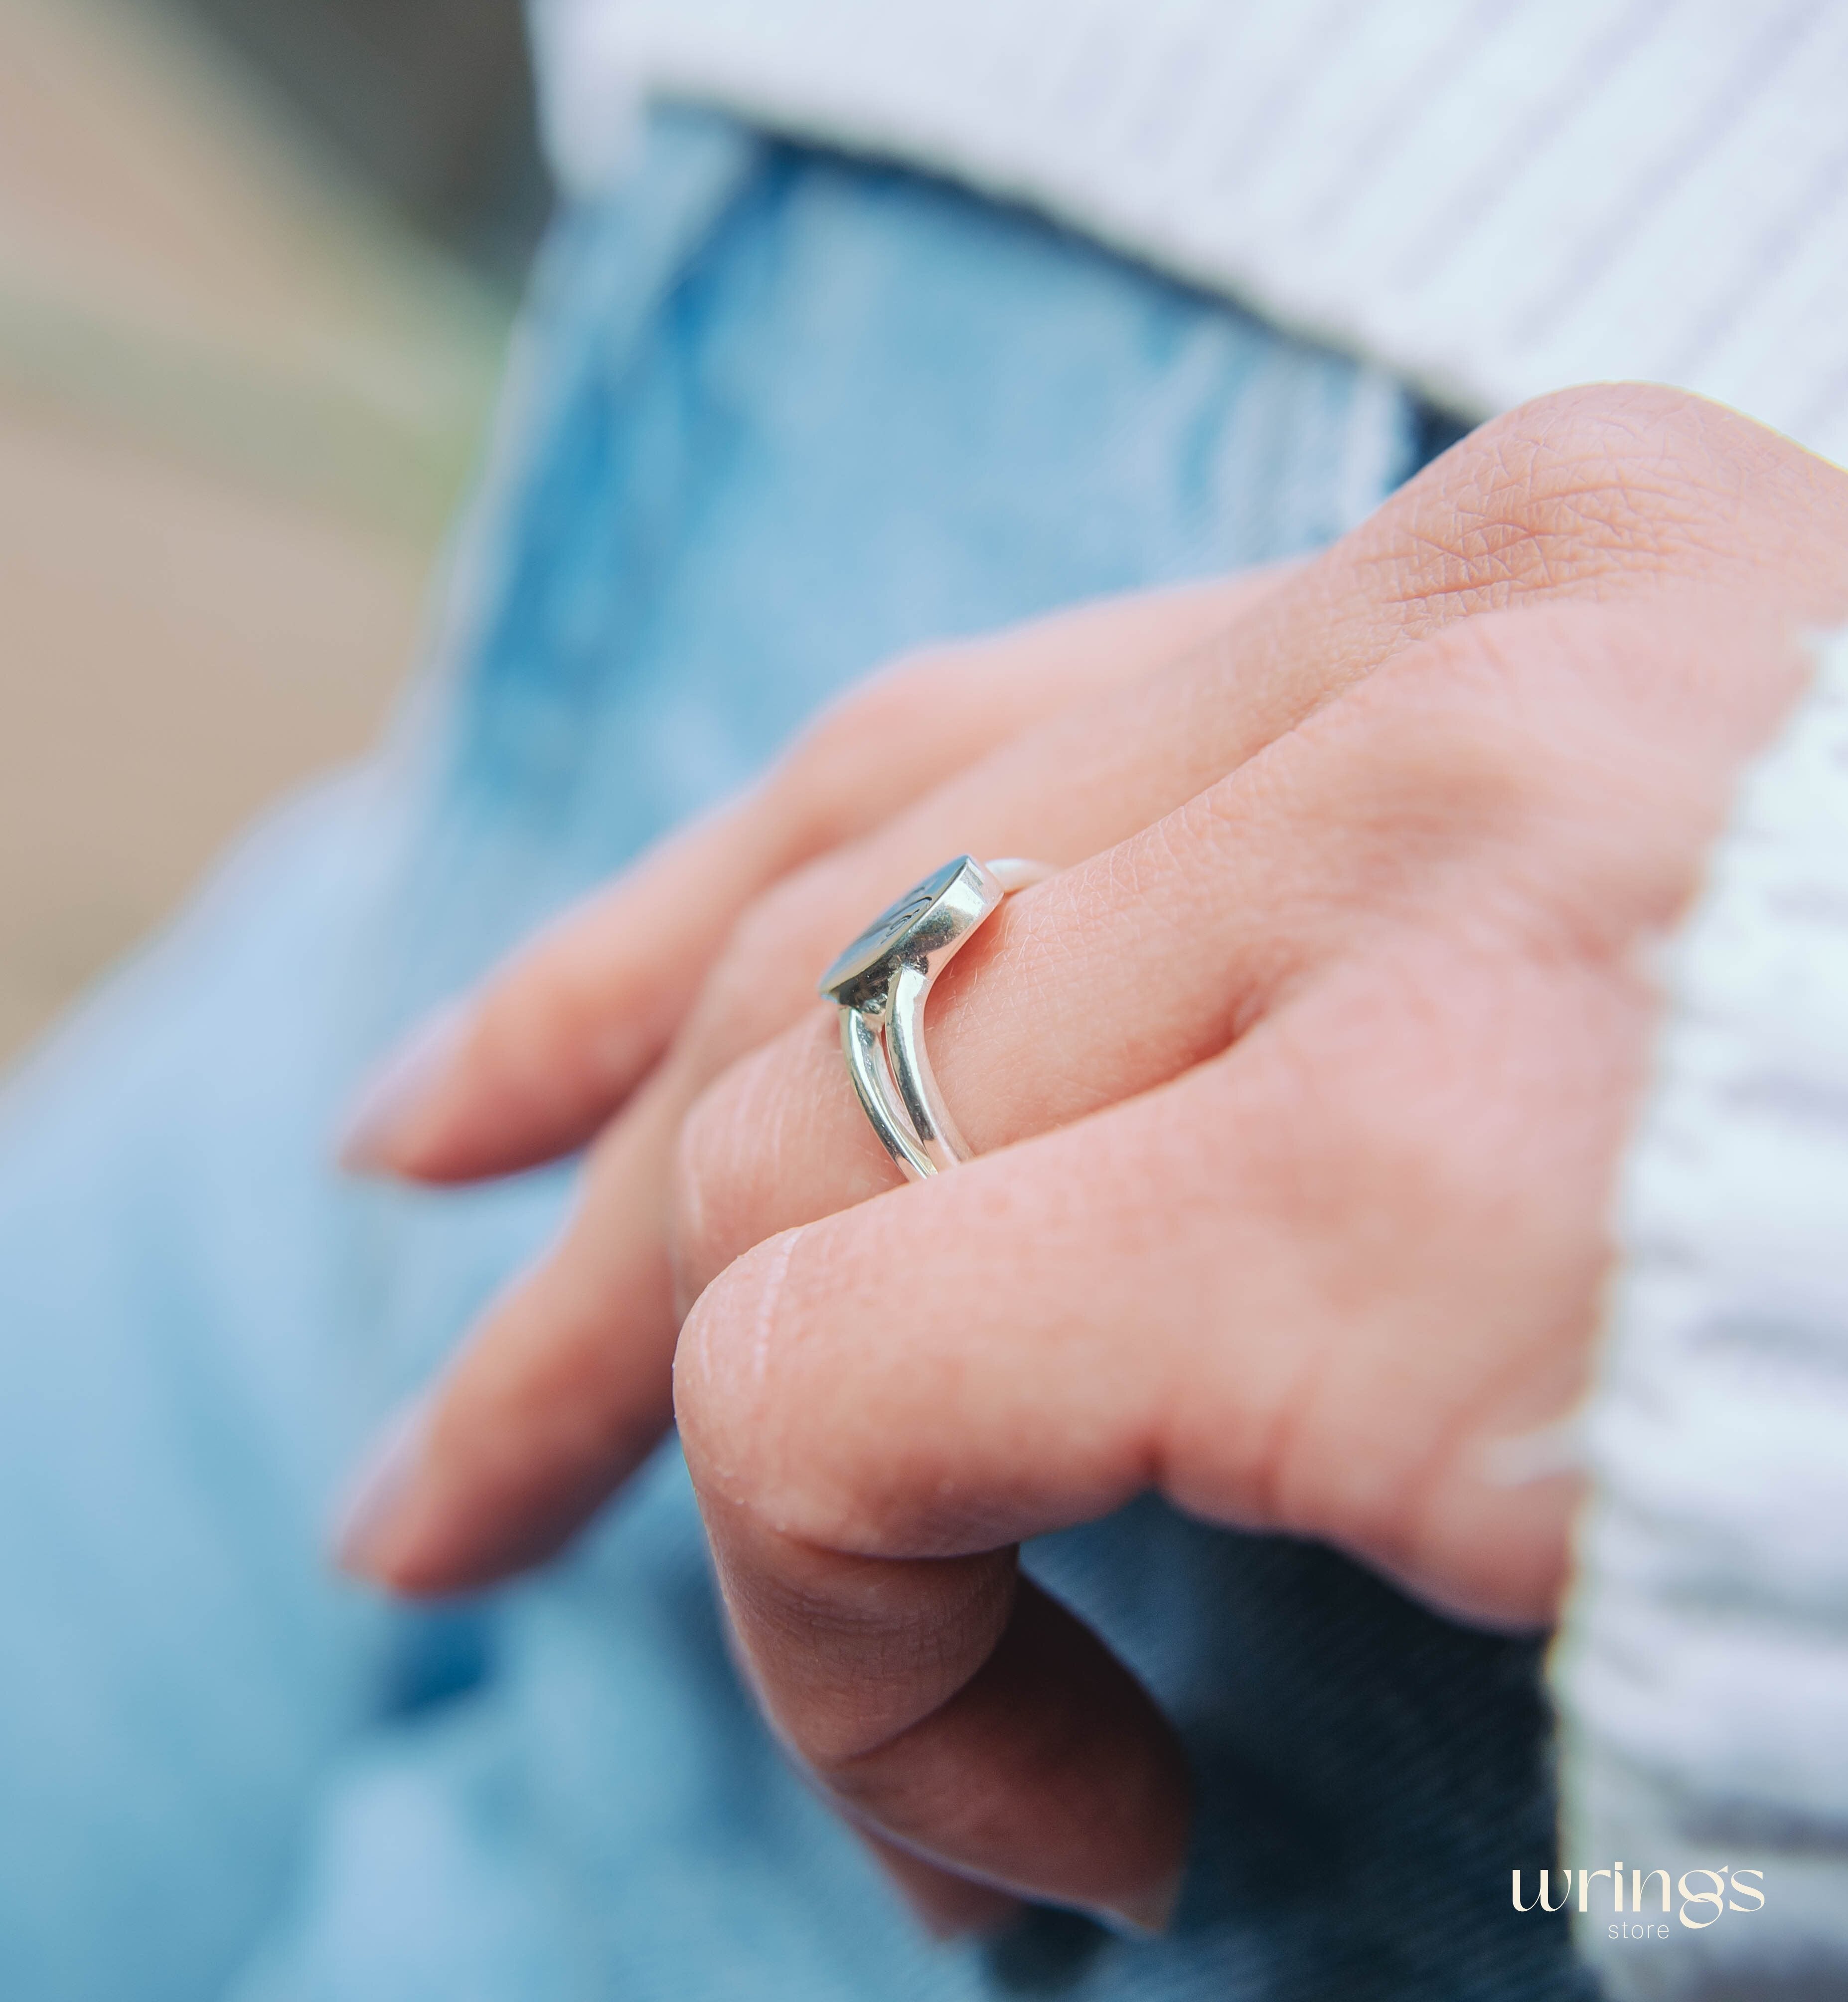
(1702, 1667)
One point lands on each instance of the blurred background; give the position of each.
(258, 263)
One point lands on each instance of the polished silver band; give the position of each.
(881, 984)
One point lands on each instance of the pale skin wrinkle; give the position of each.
(782, 1249)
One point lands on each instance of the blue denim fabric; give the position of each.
(775, 416)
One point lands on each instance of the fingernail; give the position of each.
(374, 1497)
(391, 1097)
(948, 1906)
(1145, 1915)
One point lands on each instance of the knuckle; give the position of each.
(1593, 763)
(1468, 709)
(1424, 761)
(889, 694)
(1487, 784)
(759, 1149)
(1567, 492)
(725, 1399)
(753, 946)
(762, 936)
(711, 1177)
(761, 977)
(819, 786)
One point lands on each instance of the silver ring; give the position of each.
(881, 984)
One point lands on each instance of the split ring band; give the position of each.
(880, 983)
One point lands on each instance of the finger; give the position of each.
(874, 1405)
(532, 1065)
(1604, 495)
(1600, 493)
(1337, 1255)
(1351, 825)
(1610, 495)
(1540, 780)
(949, 1905)
(964, 1716)
(564, 1387)
(540, 1422)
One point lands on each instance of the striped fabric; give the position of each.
(1492, 197)
(1702, 1667)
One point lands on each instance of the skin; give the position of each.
(1298, 1096)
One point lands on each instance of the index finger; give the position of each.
(559, 1036)
(936, 1697)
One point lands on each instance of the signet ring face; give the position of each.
(881, 982)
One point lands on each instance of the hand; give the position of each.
(522, 1443)
(1618, 496)
(624, 1011)
(1295, 1118)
